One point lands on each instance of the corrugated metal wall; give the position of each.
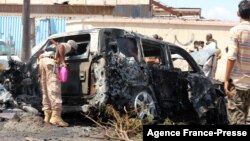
(49, 26)
(11, 29)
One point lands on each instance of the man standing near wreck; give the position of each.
(238, 67)
(50, 83)
(210, 66)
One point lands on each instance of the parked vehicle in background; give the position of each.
(127, 69)
(13, 72)
(5, 52)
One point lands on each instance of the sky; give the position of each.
(225, 10)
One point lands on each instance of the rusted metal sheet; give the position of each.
(188, 11)
(60, 9)
(167, 9)
(161, 9)
(132, 11)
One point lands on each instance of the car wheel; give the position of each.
(144, 105)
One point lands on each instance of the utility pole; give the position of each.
(26, 51)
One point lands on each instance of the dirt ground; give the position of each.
(30, 127)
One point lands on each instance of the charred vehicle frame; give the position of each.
(127, 69)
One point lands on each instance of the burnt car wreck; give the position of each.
(17, 89)
(127, 69)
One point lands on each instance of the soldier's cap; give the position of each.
(72, 44)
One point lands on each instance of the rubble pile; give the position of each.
(10, 106)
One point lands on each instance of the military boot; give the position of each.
(57, 120)
(47, 115)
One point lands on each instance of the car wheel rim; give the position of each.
(144, 105)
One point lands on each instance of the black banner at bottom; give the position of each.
(160, 132)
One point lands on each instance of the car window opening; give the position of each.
(127, 46)
(179, 62)
(152, 54)
(81, 40)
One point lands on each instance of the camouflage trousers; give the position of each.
(51, 86)
(238, 106)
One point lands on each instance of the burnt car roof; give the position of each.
(72, 33)
(79, 32)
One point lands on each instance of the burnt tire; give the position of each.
(145, 105)
(221, 117)
(218, 116)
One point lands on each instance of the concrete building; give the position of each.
(170, 23)
(124, 8)
(79, 2)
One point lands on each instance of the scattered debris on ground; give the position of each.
(119, 126)
(30, 127)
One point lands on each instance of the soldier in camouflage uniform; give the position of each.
(51, 86)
